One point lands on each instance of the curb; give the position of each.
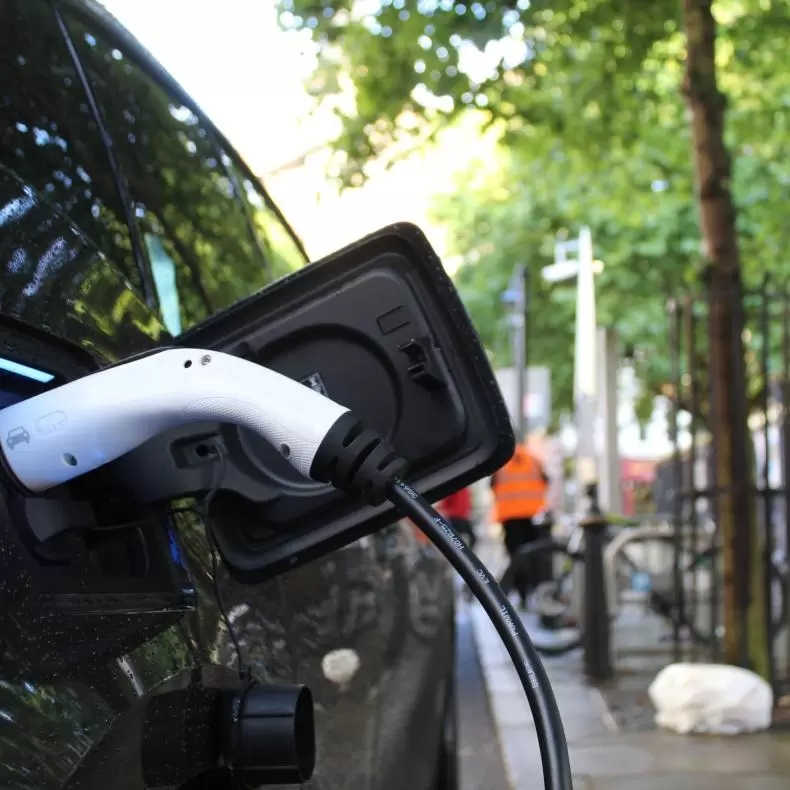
(474, 611)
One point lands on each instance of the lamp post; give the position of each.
(582, 270)
(597, 654)
(517, 297)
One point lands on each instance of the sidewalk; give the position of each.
(602, 758)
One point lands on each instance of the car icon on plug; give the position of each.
(17, 436)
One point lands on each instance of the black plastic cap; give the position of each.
(270, 735)
(356, 461)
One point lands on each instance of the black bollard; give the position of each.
(597, 642)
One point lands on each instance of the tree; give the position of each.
(647, 242)
(644, 229)
(597, 77)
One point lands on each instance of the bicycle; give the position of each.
(550, 600)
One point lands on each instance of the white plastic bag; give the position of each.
(711, 698)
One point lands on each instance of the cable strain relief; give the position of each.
(357, 461)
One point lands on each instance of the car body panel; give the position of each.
(367, 628)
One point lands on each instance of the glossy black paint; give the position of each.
(93, 630)
(54, 279)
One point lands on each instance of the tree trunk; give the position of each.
(745, 640)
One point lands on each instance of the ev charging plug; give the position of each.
(66, 432)
(80, 426)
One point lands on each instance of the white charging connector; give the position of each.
(66, 432)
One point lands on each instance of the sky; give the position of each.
(242, 71)
(248, 76)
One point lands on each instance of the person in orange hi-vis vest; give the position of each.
(520, 491)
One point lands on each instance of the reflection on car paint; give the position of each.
(50, 136)
(75, 689)
(72, 295)
(339, 666)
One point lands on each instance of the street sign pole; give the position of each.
(517, 329)
(588, 598)
(517, 298)
(584, 380)
(582, 269)
(526, 287)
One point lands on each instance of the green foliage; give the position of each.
(646, 237)
(580, 69)
(599, 75)
(585, 95)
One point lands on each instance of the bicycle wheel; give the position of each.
(550, 598)
(778, 601)
(652, 560)
(665, 600)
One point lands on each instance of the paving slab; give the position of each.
(687, 781)
(602, 755)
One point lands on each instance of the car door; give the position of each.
(213, 237)
(419, 668)
(94, 626)
(98, 133)
(91, 624)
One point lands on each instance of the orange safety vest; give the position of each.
(519, 488)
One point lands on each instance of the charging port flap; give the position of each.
(379, 328)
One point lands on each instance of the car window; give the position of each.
(278, 244)
(163, 269)
(204, 253)
(48, 135)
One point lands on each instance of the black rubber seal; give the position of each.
(356, 461)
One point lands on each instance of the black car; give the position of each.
(126, 220)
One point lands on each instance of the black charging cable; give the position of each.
(530, 670)
(355, 460)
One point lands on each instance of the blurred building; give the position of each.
(638, 478)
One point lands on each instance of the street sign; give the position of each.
(569, 245)
(537, 396)
(563, 270)
(566, 270)
(515, 289)
(533, 406)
